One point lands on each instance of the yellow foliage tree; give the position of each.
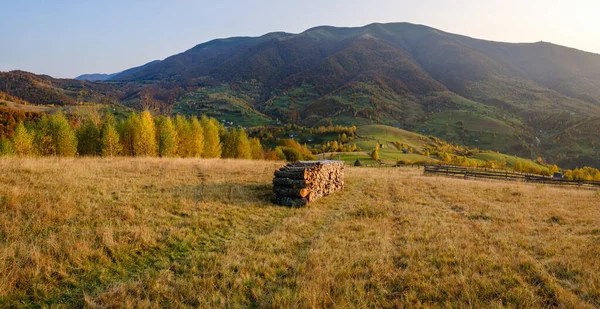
(256, 147)
(144, 141)
(109, 138)
(212, 141)
(196, 142)
(167, 137)
(375, 153)
(243, 149)
(22, 141)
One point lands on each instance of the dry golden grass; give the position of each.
(203, 233)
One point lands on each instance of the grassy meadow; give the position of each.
(150, 233)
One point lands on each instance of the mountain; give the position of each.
(96, 77)
(30, 88)
(516, 98)
(529, 99)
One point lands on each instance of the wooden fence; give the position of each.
(485, 173)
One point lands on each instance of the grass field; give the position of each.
(149, 233)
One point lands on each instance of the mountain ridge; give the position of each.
(518, 98)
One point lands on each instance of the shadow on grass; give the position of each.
(226, 192)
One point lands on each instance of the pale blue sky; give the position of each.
(71, 37)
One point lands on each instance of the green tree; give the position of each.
(212, 141)
(88, 139)
(109, 140)
(167, 137)
(22, 141)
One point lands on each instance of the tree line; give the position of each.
(140, 134)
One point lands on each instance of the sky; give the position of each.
(66, 38)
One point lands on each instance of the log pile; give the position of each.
(299, 183)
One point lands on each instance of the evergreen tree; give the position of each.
(243, 149)
(197, 138)
(22, 141)
(144, 136)
(88, 139)
(63, 136)
(167, 138)
(257, 150)
(109, 141)
(184, 134)
(212, 141)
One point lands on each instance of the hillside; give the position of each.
(530, 100)
(96, 77)
(25, 87)
(405, 147)
(478, 93)
(203, 233)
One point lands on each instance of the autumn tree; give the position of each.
(518, 167)
(127, 134)
(6, 147)
(446, 158)
(212, 141)
(22, 141)
(553, 169)
(375, 153)
(243, 149)
(144, 137)
(42, 138)
(167, 137)
(63, 136)
(183, 129)
(109, 137)
(230, 141)
(196, 142)
(256, 149)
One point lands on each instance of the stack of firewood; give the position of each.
(299, 183)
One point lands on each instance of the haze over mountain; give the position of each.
(529, 99)
(98, 77)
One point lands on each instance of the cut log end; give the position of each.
(301, 182)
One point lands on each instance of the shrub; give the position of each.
(291, 154)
